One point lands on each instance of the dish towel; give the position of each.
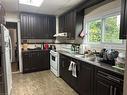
(72, 68)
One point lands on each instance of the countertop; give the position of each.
(98, 64)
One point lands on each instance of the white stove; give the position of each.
(54, 62)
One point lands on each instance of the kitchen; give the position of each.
(71, 47)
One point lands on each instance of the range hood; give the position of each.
(60, 35)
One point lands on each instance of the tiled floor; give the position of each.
(40, 83)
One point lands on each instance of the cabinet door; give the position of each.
(108, 83)
(26, 62)
(125, 31)
(61, 24)
(73, 25)
(34, 62)
(75, 80)
(123, 23)
(46, 60)
(102, 87)
(118, 90)
(52, 26)
(107, 87)
(86, 79)
(37, 26)
(23, 26)
(64, 73)
(67, 23)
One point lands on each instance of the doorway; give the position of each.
(13, 29)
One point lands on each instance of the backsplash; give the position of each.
(33, 41)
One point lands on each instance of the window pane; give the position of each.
(111, 29)
(94, 30)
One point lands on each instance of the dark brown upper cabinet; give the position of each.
(37, 26)
(123, 30)
(89, 3)
(70, 23)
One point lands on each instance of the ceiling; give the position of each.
(52, 7)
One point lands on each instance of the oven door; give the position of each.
(53, 61)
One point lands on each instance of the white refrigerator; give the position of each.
(6, 59)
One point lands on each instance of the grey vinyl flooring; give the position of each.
(40, 83)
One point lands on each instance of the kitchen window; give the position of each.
(104, 29)
(94, 30)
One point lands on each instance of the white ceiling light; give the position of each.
(36, 3)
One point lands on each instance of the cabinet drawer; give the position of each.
(111, 76)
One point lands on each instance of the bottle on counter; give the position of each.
(46, 46)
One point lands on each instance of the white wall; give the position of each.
(14, 17)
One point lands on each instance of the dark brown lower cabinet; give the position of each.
(91, 80)
(35, 61)
(64, 65)
(86, 80)
(65, 74)
(83, 82)
(106, 83)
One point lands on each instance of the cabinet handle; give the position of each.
(111, 90)
(115, 91)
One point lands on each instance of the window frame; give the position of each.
(102, 18)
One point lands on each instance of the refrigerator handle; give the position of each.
(10, 42)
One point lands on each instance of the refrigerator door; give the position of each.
(6, 59)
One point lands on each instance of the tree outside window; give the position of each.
(94, 31)
(104, 30)
(111, 29)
